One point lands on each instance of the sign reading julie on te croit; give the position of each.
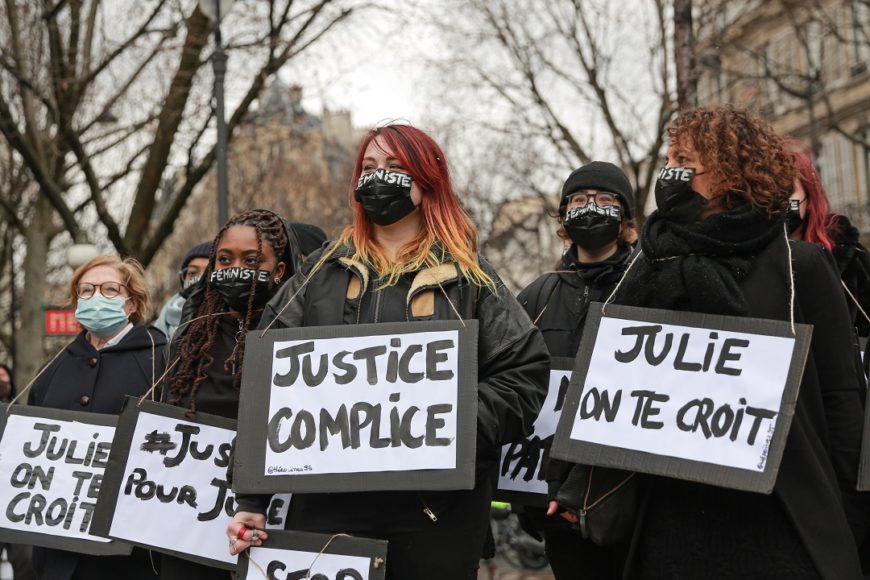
(521, 472)
(699, 397)
(165, 467)
(364, 407)
(52, 463)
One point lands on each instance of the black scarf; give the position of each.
(604, 273)
(698, 266)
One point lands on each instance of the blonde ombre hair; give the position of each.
(132, 277)
(447, 229)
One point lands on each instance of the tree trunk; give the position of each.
(30, 336)
(684, 56)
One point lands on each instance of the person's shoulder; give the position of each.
(534, 289)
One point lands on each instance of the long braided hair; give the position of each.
(195, 350)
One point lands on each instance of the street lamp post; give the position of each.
(214, 9)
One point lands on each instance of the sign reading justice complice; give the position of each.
(360, 407)
(700, 397)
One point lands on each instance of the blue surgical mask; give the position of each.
(100, 315)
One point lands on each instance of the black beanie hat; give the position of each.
(603, 176)
(202, 250)
(310, 237)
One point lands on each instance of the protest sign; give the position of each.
(54, 461)
(169, 472)
(299, 555)
(365, 407)
(521, 472)
(699, 397)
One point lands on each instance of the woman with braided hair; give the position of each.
(411, 255)
(253, 254)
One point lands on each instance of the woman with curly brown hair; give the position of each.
(718, 245)
(253, 254)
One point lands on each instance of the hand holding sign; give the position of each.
(246, 530)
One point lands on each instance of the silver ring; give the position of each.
(255, 536)
(233, 541)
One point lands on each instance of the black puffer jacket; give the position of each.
(558, 302)
(513, 364)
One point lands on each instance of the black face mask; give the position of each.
(592, 227)
(234, 286)
(675, 198)
(385, 196)
(187, 286)
(793, 219)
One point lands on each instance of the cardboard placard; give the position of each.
(699, 397)
(521, 472)
(390, 406)
(290, 555)
(53, 462)
(166, 484)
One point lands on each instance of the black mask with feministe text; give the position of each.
(187, 286)
(793, 219)
(385, 196)
(675, 198)
(234, 286)
(592, 226)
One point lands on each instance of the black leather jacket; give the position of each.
(513, 363)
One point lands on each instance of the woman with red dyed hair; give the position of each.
(810, 219)
(411, 255)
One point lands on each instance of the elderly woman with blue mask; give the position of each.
(113, 356)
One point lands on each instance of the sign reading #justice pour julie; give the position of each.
(360, 407)
(52, 464)
(699, 397)
(165, 467)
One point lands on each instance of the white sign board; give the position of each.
(298, 555)
(710, 390)
(521, 473)
(351, 406)
(173, 470)
(53, 463)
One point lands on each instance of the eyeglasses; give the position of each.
(107, 289)
(602, 199)
(190, 273)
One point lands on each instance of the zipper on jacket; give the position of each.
(378, 293)
(238, 336)
(587, 507)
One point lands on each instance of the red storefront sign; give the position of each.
(59, 322)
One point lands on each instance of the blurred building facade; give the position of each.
(283, 158)
(803, 64)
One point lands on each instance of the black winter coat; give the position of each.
(853, 262)
(83, 378)
(558, 303)
(816, 484)
(513, 368)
